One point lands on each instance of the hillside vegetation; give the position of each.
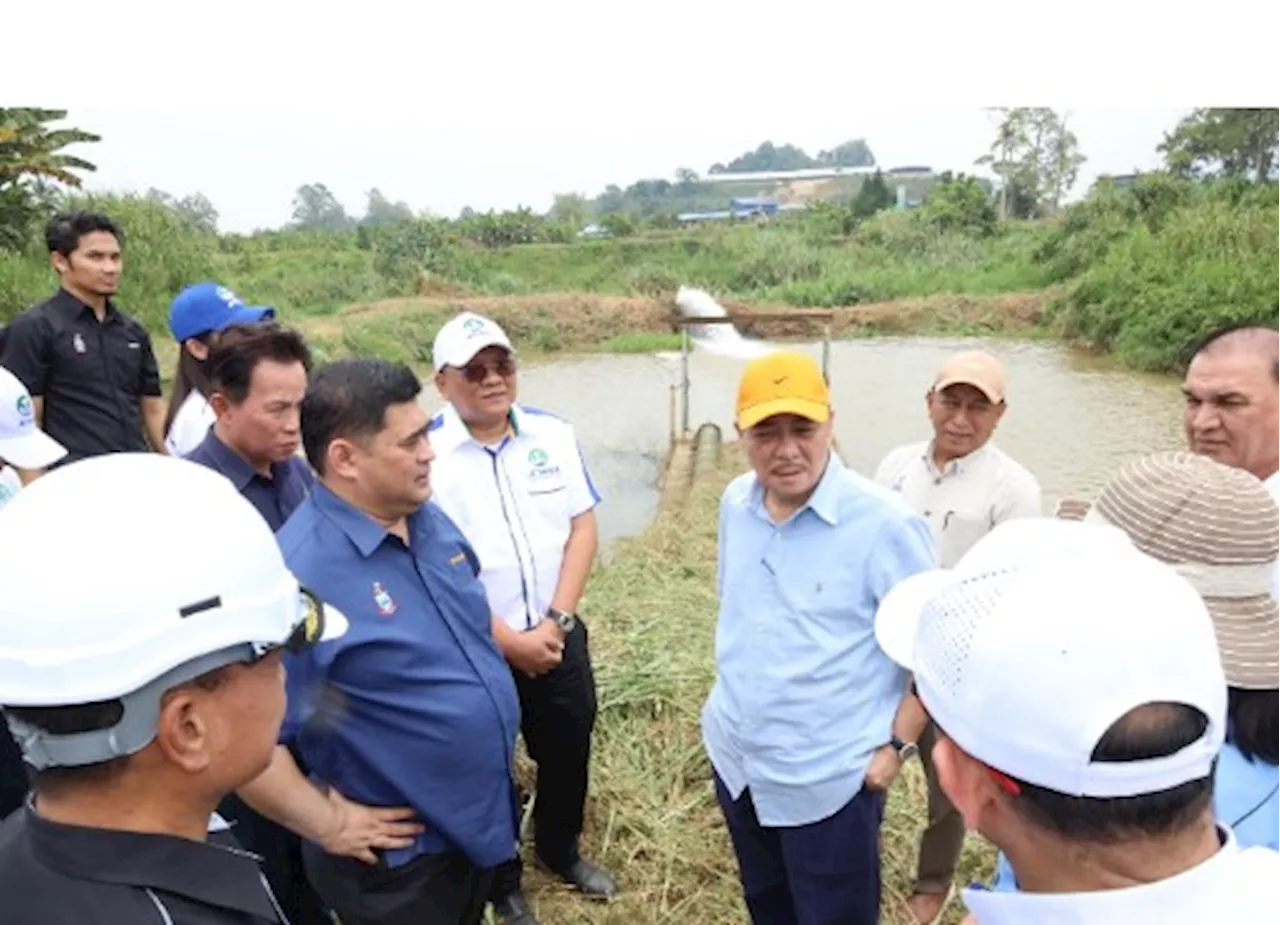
(1141, 271)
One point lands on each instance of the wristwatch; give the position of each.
(565, 620)
(906, 750)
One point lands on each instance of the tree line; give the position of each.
(1034, 154)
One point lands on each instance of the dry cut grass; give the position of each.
(652, 815)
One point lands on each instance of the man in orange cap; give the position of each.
(809, 721)
(963, 485)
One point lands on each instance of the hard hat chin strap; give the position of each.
(136, 728)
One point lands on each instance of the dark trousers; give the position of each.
(944, 836)
(281, 852)
(432, 889)
(824, 873)
(557, 716)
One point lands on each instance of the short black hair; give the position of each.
(241, 347)
(88, 717)
(1253, 723)
(349, 399)
(69, 721)
(1254, 336)
(64, 231)
(1152, 731)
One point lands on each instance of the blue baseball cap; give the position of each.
(207, 307)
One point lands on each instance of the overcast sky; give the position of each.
(260, 159)
(495, 103)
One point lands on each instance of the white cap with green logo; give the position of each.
(22, 442)
(463, 336)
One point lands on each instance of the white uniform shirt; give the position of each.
(514, 503)
(10, 484)
(190, 425)
(963, 501)
(1235, 885)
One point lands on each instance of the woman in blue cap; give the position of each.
(195, 317)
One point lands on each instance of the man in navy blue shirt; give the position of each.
(258, 375)
(417, 706)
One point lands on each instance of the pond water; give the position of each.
(1072, 419)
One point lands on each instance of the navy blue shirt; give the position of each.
(276, 497)
(414, 705)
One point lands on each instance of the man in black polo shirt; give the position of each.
(258, 374)
(89, 367)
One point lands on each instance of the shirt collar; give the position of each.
(363, 531)
(65, 297)
(230, 463)
(212, 874)
(452, 431)
(1132, 904)
(958, 466)
(825, 500)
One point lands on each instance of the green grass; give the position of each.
(1144, 270)
(641, 342)
(893, 258)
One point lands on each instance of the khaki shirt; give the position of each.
(963, 501)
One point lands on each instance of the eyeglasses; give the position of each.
(476, 373)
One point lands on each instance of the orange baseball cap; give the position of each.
(782, 383)
(975, 368)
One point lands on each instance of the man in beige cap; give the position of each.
(963, 485)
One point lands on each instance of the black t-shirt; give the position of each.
(90, 374)
(55, 874)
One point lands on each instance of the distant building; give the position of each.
(753, 207)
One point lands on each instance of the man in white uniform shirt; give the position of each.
(514, 481)
(1232, 390)
(1081, 707)
(963, 485)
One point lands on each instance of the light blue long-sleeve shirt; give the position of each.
(803, 694)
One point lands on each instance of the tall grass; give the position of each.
(891, 256)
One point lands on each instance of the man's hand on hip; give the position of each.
(359, 829)
(884, 767)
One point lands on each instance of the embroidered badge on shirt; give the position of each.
(541, 466)
(385, 604)
(77, 343)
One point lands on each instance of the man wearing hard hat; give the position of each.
(143, 692)
(23, 445)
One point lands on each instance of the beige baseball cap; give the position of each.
(980, 370)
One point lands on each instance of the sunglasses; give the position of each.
(476, 373)
(308, 631)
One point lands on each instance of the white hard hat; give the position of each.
(108, 595)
